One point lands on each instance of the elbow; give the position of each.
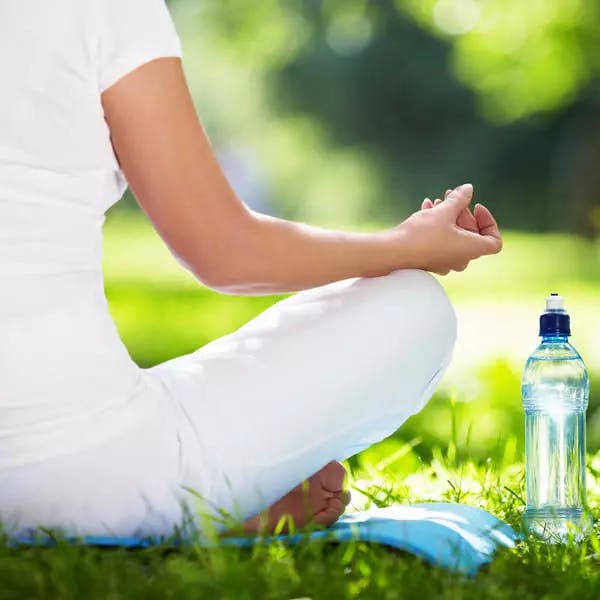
(213, 272)
(229, 264)
(224, 279)
(237, 284)
(227, 271)
(235, 275)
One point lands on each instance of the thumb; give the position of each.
(458, 199)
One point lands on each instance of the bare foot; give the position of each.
(320, 499)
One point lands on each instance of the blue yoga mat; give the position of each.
(454, 536)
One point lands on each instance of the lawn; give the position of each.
(321, 571)
(465, 446)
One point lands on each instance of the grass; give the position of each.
(465, 446)
(323, 571)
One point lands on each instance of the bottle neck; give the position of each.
(555, 339)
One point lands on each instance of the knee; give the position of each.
(419, 336)
(370, 316)
(415, 297)
(429, 301)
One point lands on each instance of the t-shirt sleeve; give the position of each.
(129, 34)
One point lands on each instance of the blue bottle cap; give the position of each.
(555, 321)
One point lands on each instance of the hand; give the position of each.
(465, 219)
(445, 236)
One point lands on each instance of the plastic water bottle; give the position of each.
(555, 389)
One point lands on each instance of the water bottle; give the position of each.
(555, 390)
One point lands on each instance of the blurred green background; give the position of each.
(348, 113)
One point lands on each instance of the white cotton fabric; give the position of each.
(89, 442)
(66, 378)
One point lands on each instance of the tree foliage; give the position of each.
(520, 57)
(354, 110)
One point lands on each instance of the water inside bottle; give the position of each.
(555, 449)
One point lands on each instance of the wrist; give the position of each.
(403, 249)
(392, 252)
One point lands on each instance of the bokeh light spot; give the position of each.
(349, 33)
(456, 16)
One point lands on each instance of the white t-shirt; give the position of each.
(65, 377)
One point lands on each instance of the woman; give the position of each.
(93, 97)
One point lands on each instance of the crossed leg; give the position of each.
(312, 380)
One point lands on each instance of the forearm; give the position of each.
(173, 172)
(270, 255)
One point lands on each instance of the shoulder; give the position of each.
(128, 33)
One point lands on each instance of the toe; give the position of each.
(331, 513)
(331, 477)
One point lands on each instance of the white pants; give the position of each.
(316, 377)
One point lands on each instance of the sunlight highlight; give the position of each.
(456, 17)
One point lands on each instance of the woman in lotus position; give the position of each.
(93, 98)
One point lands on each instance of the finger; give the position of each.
(485, 222)
(427, 203)
(482, 245)
(467, 221)
(459, 199)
